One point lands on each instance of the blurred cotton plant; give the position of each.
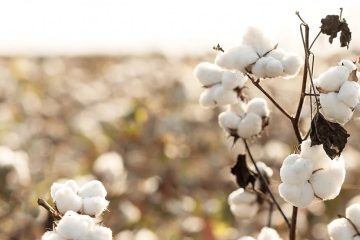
(316, 170)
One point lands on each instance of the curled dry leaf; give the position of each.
(243, 174)
(332, 24)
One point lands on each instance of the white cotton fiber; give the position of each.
(333, 109)
(207, 97)
(94, 206)
(93, 188)
(244, 211)
(350, 65)
(353, 213)
(273, 68)
(66, 200)
(258, 106)
(259, 68)
(291, 64)
(316, 154)
(239, 108)
(246, 238)
(332, 79)
(340, 229)
(229, 120)
(208, 73)
(240, 196)
(295, 170)
(237, 58)
(267, 233)
(277, 53)
(224, 96)
(233, 79)
(349, 93)
(263, 167)
(51, 235)
(327, 183)
(72, 226)
(250, 125)
(100, 233)
(255, 37)
(300, 195)
(69, 183)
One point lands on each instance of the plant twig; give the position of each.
(263, 180)
(56, 215)
(271, 209)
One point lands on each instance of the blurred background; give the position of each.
(104, 89)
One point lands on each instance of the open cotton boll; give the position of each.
(93, 188)
(340, 229)
(327, 183)
(237, 58)
(208, 73)
(333, 109)
(255, 37)
(353, 213)
(273, 68)
(69, 183)
(277, 53)
(239, 108)
(316, 154)
(244, 211)
(72, 226)
(51, 235)
(207, 97)
(100, 233)
(66, 200)
(295, 170)
(258, 106)
(224, 96)
(250, 125)
(349, 93)
(300, 195)
(259, 68)
(229, 120)
(291, 64)
(350, 65)
(240, 196)
(233, 79)
(94, 206)
(267, 233)
(332, 79)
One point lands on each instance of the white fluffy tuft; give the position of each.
(94, 206)
(229, 120)
(258, 106)
(273, 68)
(333, 109)
(349, 93)
(74, 226)
(93, 188)
(332, 79)
(208, 74)
(233, 79)
(66, 199)
(237, 58)
(295, 170)
(255, 37)
(267, 233)
(340, 229)
(300, 195)
(249, 126)
(316, 154)
(291, 64)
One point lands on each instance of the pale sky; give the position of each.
(178, 27)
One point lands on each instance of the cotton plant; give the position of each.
(346, 227)
(317, 171)
(339, 91)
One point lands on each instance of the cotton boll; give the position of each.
(295, 170)
(256, 38)
(332, 79)
(239, 108)
(246, 238)
(277, 53)
(299, 195)
(66, 200)
(258, 106)
(229, 120)
(100, 233)
(230, 80)
(349, 93)
(273, 68)
(316, 154)
(291, 64)
(207, 97)
(208, 73)
(51, 235)
(71, 226)
(93, 188)
(237, 58)
(267, 233)
(240, 196)
(259, 68)
(250, 125)
(327, 183)
(353, 213)
(224, 97)
(94, 206)
(69, 183)
(350, 65)
(333, 109)
(340, 229)
(244, 211)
